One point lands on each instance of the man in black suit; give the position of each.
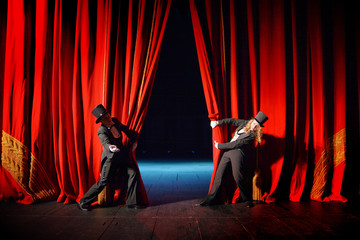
(234, 154)
(114, 156)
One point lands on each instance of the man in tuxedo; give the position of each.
(235, 154)
(114, 156)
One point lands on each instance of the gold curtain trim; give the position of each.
(332, 156)
(27, 171)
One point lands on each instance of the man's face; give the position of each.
(106, 119)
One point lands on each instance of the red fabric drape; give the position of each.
(287, 59)
(212, 66)
(136, 74)
(59, 60)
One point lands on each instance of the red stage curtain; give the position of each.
(60, 59)
(212, 68)
(134, 77)
(287, 59)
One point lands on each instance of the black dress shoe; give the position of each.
(202, 204)
(249, 204)
(79, 205)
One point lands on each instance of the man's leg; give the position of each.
(131, 198)
(240, 174)
(219, 175)
(107, 173)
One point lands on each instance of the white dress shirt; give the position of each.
(237, 134)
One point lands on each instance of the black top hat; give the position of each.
(261, 118)
(98, 112)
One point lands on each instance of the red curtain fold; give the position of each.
(301, 79)
(287, 59)
(136, 74)
(209, 45)
(317, 82)
(272, 99)
(15, 85)
(56, 67)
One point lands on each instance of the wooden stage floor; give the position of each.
(173, 189)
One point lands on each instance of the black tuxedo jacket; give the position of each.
(244, 138)
(107, 139)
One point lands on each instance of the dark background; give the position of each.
(177, 124)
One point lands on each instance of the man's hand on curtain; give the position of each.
(216, 144)
(213, 124)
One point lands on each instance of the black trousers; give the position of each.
(108, 172)
(241, 173)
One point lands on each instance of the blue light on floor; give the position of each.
(182, 166)
(171, 181)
